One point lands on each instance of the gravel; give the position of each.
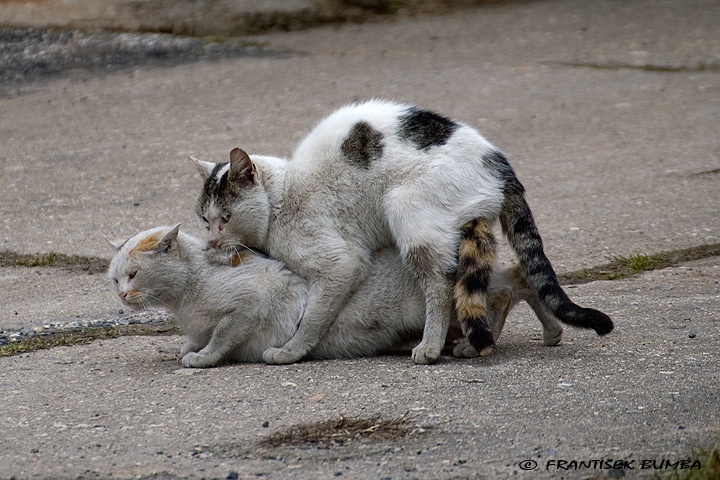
(29, 55)
(150, 319)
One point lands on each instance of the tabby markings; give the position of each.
(477, 257)
(426, 129)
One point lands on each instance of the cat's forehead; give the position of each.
(216, 181)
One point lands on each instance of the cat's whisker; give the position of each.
(157, 299)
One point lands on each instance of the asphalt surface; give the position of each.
(607, 110)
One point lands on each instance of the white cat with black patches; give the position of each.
(376, 175)
(237, 310)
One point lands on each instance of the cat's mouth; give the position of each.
(134, 301)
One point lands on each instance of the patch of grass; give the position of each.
(38, 261)
(709, 458)
(68, 339)
(632, 265)
(73, 263)
(622, 267)
(637, 263)
(338, 432)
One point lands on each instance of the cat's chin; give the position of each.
(135, 307)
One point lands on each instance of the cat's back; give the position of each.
(378, 117)
(380, 152)
(252, 281)
(382, 137)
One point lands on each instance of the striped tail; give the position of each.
(518, 224)
(476, 258)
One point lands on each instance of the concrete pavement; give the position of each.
(607, 110)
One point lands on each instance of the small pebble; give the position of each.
(265, 424)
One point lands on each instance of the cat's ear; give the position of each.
(205, 168)
(242, 170)
(168, 241)
(116, 244)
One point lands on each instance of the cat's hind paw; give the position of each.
(465, 350)
(424, 354)
(280, 356)
(552, 337)
(197, 360)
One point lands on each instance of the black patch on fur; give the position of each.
(496, 162)
(426, 129)
(478, 281)
(467, 232)
(214, 186)
(479, 334)
(363, 145)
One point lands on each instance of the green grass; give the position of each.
(709, 458)
(632, 265)
(623, 267)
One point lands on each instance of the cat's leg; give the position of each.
(428, 250)
(432, 269)
(552, 328)
(228, 333)
(514, 278)
(499, 306)
(337, 277)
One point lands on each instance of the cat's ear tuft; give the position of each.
(205, 168)
(116, 244)
(169, 240)
(242, 170)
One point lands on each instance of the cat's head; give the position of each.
(233, 207)
(149, 269)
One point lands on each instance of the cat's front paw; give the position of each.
(280, 356)
(424, 354)
(216, 256)
(465, 350)
(187, 348)
(197, 360)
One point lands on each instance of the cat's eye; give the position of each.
(225, 219)
(205, 220)
(116, 281)
(131, 275)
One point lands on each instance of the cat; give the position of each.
(379, 174)
(236, 309)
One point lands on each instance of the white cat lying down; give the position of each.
(234, 312)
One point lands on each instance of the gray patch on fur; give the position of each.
(363, 145)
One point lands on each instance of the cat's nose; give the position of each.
(212, 243)
(122, 295)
